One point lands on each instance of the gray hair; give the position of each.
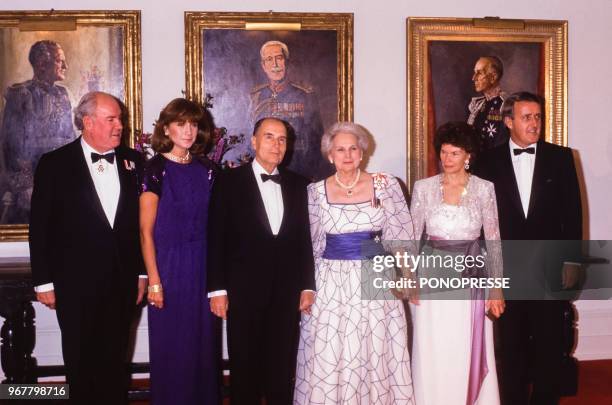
(283, 46)
(496, 64)
(87, 107)
(346, 127)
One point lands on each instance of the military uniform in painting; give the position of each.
(297, 104)
(485, 116)
(37, 119)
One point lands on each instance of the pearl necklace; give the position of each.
(178, 159)
(348, 187)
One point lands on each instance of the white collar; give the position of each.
(89, 150)
(258, 169)
(515, 146)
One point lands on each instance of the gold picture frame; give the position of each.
(446, 49)
(222, 55)
(102, 52)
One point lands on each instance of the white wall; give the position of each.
(380, 96)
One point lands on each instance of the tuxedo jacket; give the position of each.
(72, 243)
(244, 256)
(554, 212)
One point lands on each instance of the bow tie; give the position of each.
(109, 157)
(274, 177)
(518, 151)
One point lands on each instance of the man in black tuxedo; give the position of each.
(538, 199)
(85, 249)
(261, 269)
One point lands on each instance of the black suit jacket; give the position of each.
(244, 257)
(72, 243)
(554, 214)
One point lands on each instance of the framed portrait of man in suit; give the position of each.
(293, 66)
(462, 69)
(49, 61)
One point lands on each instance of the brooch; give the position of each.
(380, 183)
(129, 165)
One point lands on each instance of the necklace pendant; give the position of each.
(349, 193)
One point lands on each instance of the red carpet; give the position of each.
(594, 385)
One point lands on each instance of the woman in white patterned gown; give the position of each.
(352, 350)
(453, 356)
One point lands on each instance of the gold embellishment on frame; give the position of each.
(342, 23)
(22, 28)
(421, 32)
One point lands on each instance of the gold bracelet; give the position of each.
(155, 288)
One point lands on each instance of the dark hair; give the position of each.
(507, 109)
(182, 110)
(288, 128)
(42, 51)
(496, 64)
(459, 134)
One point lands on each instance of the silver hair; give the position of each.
(87, 107)
(346, 127)
(283, 46)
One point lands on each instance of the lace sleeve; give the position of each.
(490, 224)
(398, 222)
(314, 212)
(417, 208)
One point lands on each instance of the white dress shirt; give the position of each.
(105, 177)
(523, 170)
(271, 195)
(273, 203)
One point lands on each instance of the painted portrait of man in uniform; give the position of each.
(469, 81)
(287, 75)
(44, 75)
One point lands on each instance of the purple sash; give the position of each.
(478, 356)
(353, 246)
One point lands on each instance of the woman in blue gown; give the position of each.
(176, 183)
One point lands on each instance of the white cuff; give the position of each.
(44, 288)
(217, 293)
(143, 276)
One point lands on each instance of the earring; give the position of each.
(331, 161)
(466, 166)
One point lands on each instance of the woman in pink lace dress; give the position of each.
(453, 358)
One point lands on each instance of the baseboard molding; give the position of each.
(594, 331)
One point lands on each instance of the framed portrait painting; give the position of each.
(293, 66)
(463, 69)
(49, 60)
